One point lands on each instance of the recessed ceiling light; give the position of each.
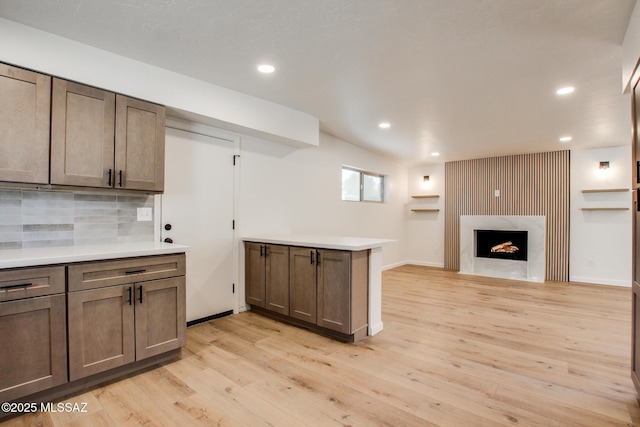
(266, 68)
(384, 125)
(435, 154)
(565, 90)
(565, 139)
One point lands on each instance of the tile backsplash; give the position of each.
(34, 219)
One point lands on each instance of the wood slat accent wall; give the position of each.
(529, 184)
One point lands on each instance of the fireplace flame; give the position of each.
(506, 247)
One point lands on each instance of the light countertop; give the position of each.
(324, 242)
(12, 258)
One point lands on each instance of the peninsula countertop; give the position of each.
(12, 258)
(324, 242)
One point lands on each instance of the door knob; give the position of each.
(167, 227)
(168, 240)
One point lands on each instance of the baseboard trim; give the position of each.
(412, 262)
(601, 281)
(426, 263)
(374, 329)
(208, 318)
(394, 265)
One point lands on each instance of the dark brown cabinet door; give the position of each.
(160, 316)
(635, 338)
(103, 140)
(101, 330)
(302, 285)
(254, 274)
(277, 278)
(334, 290)
(122, 322)
(25, 102)
(139, 145)
(34, 345)
(82, 135)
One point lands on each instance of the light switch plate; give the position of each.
(145, 214)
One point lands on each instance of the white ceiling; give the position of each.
(466, 78)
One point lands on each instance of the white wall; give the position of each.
(284, 190)
(289, 190)
(425, 230)
(600, 241)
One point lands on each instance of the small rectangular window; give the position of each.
(372, 190)
(361, 186)
(350, 185)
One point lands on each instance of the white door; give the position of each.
(198, 207)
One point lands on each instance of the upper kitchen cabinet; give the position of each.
(82, 135)
(24, 125)
(103, 140)
(139, 145)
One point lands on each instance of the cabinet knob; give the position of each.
(168, 240)
(167, 227)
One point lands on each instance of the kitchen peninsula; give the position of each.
(330, 284)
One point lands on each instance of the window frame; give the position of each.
(362, 173)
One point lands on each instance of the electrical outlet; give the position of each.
(145, 214)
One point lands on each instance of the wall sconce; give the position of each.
(425, 178)
(604, 165)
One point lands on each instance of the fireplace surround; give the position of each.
(524, 232)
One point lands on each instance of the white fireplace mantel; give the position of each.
(532, 270)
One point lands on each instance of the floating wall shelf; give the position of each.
(607, 190)
(429, 196)
(425, 210)
(605, 209)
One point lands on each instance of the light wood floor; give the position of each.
(455, 351)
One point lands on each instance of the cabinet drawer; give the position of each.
(31, 282)
(91, 275)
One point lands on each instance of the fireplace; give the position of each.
(501, 244)
(479, 234)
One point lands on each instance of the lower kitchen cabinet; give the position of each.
(267, 276)
(117, 325)
(101, 330)
(303, 290)
(33, 331)
(254, 274)
(328, 288)
(66, 327)
(160, 316)
(277, 278)
(334, 292)
(33, 353)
